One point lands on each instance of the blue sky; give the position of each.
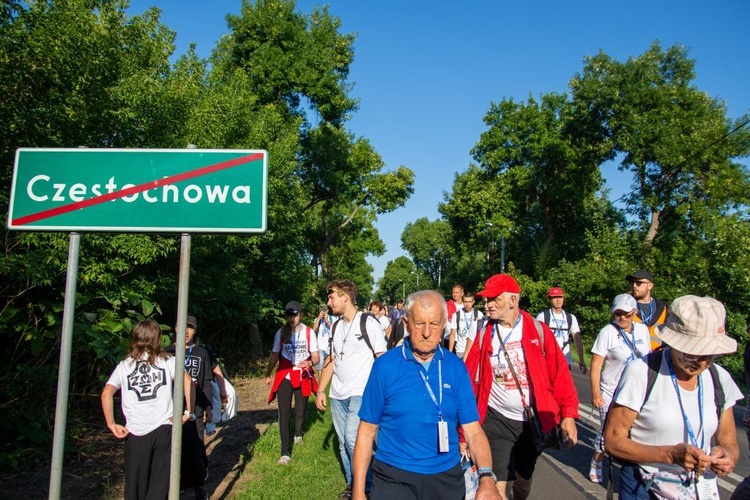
(426, 71)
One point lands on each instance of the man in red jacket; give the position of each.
(542, 373)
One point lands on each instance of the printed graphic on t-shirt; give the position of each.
(297, 349)
(193, 366)
(145, 380)
(509, 383)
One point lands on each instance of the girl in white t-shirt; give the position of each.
(295, 349)
(145, 378)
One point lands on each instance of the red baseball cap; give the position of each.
(555, 291)
(499, 284)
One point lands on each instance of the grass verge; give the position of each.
(314, 472)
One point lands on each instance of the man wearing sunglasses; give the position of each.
(651, 311)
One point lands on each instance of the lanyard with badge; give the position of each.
(500, 367)
(706, 487)
(631, 344)
(442, 424)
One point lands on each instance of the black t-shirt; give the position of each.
(199, 366)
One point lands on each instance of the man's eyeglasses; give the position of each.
(639, 283)
(627, 314)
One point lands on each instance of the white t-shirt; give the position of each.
(617, 352)
(353, 358)
(660, 421)
(296, 350)
(324, 332)
(384, 323)
(146, 393)
(504, 395)
(558, 323)
(462, 322)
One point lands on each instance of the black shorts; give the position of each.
(512, 446)
(392, 483)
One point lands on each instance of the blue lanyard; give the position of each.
(187, 357)
(630, 344)
(559, 331)
(435, 401)
(689, 427)
(495, 329)
(467, 320)
(647, 319)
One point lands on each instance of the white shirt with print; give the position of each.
(504, 395)
(146, 392)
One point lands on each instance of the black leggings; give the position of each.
(284, 394)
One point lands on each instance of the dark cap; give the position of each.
(191, 321)
(293, 307)
(640, 274)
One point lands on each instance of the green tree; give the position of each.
(675, 139)
(430, 244)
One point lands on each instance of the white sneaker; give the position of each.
(285, 459)
(297, 439)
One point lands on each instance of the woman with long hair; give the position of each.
(145, 378)
(295, 349)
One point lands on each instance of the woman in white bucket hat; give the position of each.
(672, 405)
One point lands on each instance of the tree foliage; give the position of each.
(85, 73)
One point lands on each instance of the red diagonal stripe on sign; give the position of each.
(209, 169)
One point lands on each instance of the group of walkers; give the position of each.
(493, 388)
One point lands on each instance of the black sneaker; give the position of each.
(346, 494)
(200, 493)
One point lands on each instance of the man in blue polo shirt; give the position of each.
(415, 399)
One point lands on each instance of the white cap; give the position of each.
(624, 302)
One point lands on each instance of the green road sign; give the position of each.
(139, 190)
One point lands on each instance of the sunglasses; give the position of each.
(638, 283)
(627, 314)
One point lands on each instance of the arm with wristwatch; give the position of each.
(479, 449)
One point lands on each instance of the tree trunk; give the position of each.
(653, 228)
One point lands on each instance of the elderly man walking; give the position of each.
(416, 397)
(518, 367)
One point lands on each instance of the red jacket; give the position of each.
(554, 391)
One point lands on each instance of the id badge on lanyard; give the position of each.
(442, 425)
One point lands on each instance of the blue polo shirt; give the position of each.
(397, 400)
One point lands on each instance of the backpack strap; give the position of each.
(719, 397)
(476, 314)
(654, 364)
(569, 319)
(363, 329)
(540, 332)
(547, 315)
(330, 337)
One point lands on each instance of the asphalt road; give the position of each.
(564, 474)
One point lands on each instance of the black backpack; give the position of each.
(362, 328)
(568, 318)
(398, 331)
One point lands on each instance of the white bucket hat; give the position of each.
(695, 325)
(624, 302)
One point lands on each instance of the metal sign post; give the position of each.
(63, 373)
(179, 379)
